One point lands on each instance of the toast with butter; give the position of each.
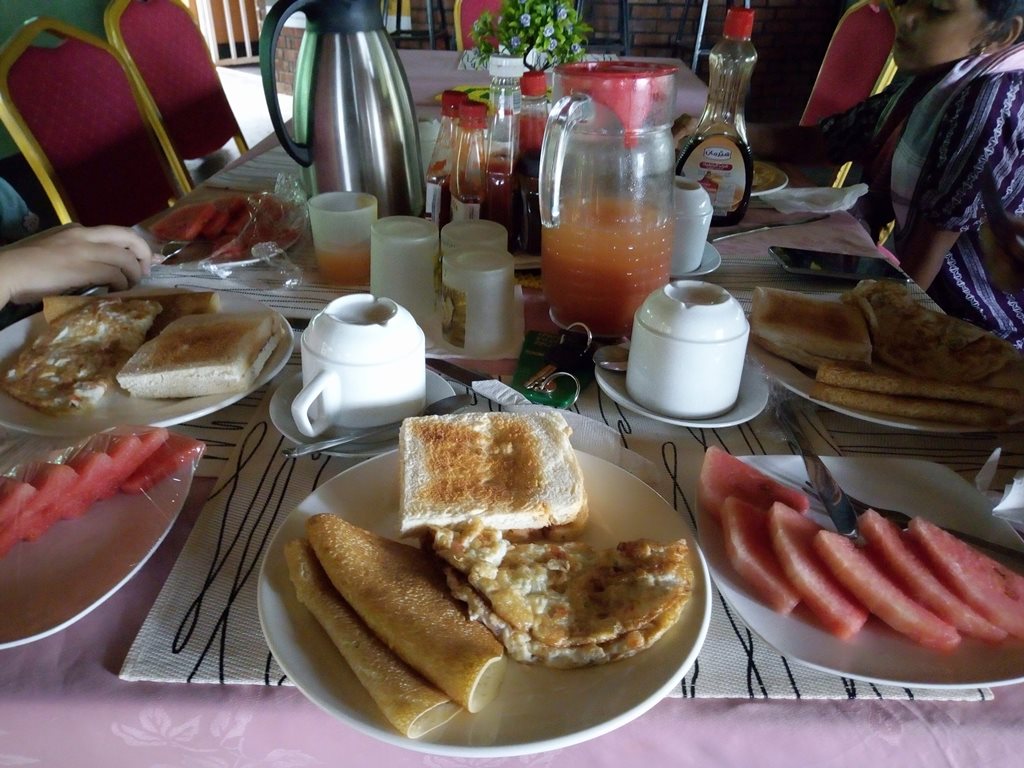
(510, 471)
(200, 355)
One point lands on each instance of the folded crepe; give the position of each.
(399, 592)
(407, 700)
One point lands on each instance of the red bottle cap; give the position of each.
(739, 23)
(472, 114)
(450, 101)
(533, 83)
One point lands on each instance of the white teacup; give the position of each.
(363, 365)
(693, 213)
(687, 349)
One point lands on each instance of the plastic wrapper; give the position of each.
(79, 518)
(44, 481)
(276, 221)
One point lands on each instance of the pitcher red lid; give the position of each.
(639, 93)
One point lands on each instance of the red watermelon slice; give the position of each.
(723, 475)
(887, 547)
(792, 536)
(992, 589)
(748, 547)
(865, 581)
(14, 497)
(53, 484)
(173, 453)
(184, 222)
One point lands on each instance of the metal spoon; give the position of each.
(438, 408)
(613, 357)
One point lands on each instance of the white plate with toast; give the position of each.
(799, 382)
(117, 407)
(877, 653)
(537, 708)
(52, 582)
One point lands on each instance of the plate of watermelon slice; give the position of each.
(855, 640)
(77, 523)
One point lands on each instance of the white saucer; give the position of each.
(281, 416)
(752, 399)
(709, 262)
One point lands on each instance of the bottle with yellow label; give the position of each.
(717, 154)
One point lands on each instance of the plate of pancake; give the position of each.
(536, 708)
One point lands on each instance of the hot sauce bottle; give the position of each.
(438, 207)
(718, 154)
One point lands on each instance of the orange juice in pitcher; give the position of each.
(606, 185)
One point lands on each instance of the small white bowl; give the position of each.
(687, 349)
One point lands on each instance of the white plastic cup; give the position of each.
(340, 223)
(693, 212)
(478, 302)
(404, 263)
(473, 234)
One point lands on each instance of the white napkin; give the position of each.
(814, 199)
(1011, 506)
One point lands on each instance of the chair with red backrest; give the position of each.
(466, 13)
(89, 134)
(167, 52)
(857, 63)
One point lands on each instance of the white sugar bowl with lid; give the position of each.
(363, 365)
(687, 349)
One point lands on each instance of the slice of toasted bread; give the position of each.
(509, 470)
(174, 303)
(201, 355)
(808, 330)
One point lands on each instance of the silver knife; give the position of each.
(840, 509)
(456, 372)
(763, 227)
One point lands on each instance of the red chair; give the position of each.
(857, 63)
(466, 13)
(90, 135)
(166, 50)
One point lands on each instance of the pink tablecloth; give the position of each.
(62, 705)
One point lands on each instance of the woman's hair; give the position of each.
(1002, 12)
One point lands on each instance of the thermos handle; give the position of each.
(566, 112)
(272, 26)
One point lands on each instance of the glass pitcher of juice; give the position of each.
(606, 176)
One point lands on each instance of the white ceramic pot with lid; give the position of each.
(687, 350)
(363, 365)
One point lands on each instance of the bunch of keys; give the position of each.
(553, 368)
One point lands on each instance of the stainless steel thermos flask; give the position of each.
(353, 117)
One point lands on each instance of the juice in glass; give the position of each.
(602, 261)
(345, 265)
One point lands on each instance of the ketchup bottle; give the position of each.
(468, 179)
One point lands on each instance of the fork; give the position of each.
(902, 519)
